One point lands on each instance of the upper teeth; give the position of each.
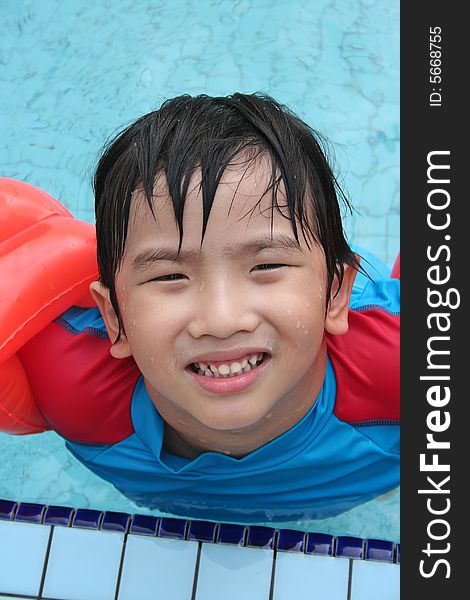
(226, 369)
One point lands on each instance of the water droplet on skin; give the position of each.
(305, 332)
(289, 312)
(298, 324)
(152, 360)
(268, 416)
(201, 287)
(307, 305)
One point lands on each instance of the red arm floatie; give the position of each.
(47, 261)
(396, 268)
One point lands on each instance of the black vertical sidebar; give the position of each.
(435, 339)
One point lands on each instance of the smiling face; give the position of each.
(229, 335)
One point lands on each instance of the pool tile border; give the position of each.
(284, 540)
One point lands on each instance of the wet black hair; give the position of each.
(209, 133)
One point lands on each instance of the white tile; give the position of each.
(310, 577)
(156, 568)
(22, 551)
(83, 564)
(231, 573)
(372, 580)
(11, 597)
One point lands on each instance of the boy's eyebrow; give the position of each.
(149, 256)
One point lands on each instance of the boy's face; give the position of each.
(239, 298)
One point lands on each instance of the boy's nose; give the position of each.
(221, 312)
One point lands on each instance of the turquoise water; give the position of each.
(73, 73)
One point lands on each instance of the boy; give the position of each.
(217, 378)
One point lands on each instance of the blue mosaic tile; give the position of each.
(7, 510)
(379, 550)
(115, 521)
(398, 554)
(260, 537)
(28, 512)
(172, 528)
(58, 515)
(144, 525)
(201, 531)
(291, 540)
(319, 543)
(350, 547)
(86, 518)
(231, 534)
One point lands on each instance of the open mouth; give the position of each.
(230, 368)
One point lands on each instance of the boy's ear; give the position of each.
(100, 295)
(336, 322)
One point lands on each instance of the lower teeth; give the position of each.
(206, 374)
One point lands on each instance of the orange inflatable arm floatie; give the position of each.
(47, 261)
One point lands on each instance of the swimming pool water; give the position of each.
(73, 73)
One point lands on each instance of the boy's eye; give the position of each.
(180, 276)
(268, 266)
(171, 277)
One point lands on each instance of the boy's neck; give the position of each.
(174, 444)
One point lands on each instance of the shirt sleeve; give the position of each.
(366, 359)
(82, 391)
